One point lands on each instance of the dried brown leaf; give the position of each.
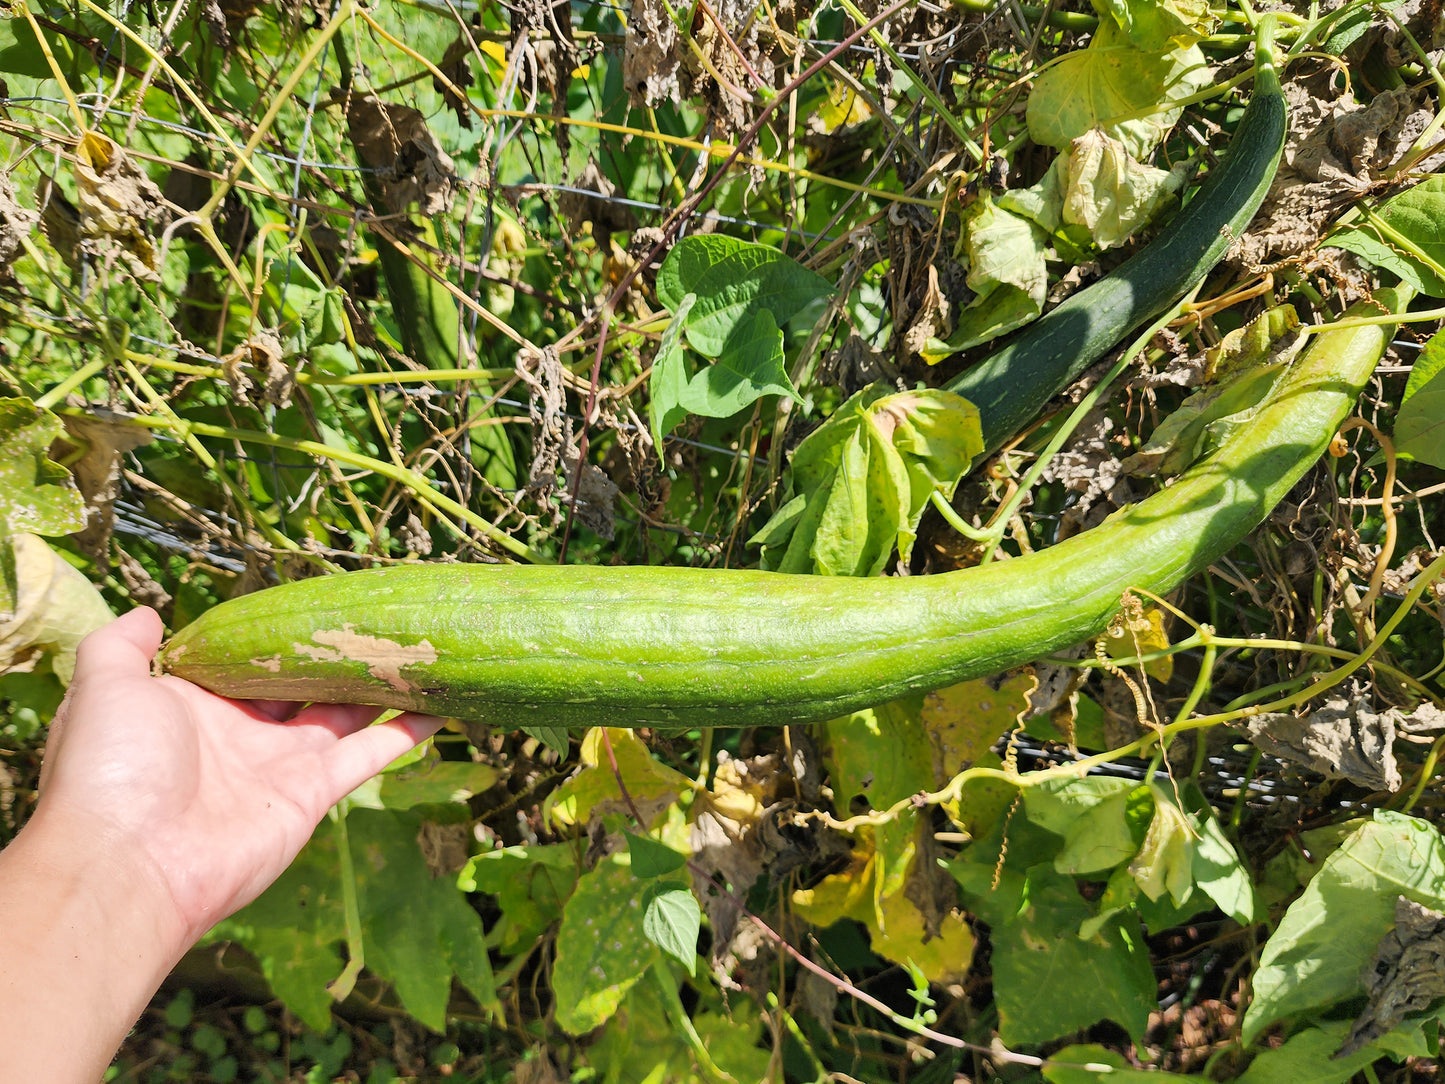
(411, 166)
(1406, 975)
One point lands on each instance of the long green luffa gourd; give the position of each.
(632, 646)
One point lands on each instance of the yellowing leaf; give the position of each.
(843, 107)
(1141, 633)
(55, 609)
(1165, 861)
(1109, 192)
(1133, 95)
(896, 927)
(963, 721)
(1158, 24)
(652, 785)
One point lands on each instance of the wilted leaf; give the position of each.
(1106, 85)
(56, 608)
(602, 950)
(1165, 862)
(121, 209)
(1307, 963)
(16, 222)
(1110, 193)
(1155, 25)
(864, 478)
(733, 280)
(1205, 420)
(1003, 249)
(101, 441)
(1405, 235)
(1270, 336)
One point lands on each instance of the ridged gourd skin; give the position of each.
(514, 645)
(1011, 385)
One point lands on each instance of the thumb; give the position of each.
(124, 648)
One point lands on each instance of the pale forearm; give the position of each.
(85, 939)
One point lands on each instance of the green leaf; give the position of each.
(295, 929)
(1040, 967)
(530, 885)
(1056, 804)
(984, 319)
(865, 477)
(1217, 869)
(1098, 840)
(1428, 364)
(1308, 1057)
(651, 858)
(1406, 235)
(433, 781)
(1154, 25)
(1068, 1066)
(419, 929)
(1309, 963)
(667, 386)
(554, 738)
(733, 279)
(602, 950)
(1420, 421)
(752, 366)
(671, 919)
(36, 493)
(1106, 85)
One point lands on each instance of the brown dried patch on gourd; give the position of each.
(384, 659)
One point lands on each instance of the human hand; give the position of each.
(210, 798)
